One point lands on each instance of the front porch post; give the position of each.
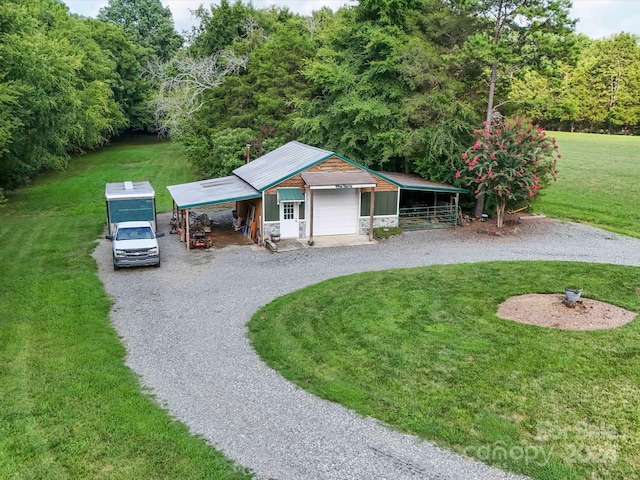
(310, 216)
(187, 232)
(371, 210)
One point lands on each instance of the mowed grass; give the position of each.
(598, 182)
(423, 350)
(70, 407)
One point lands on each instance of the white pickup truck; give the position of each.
(135, 244)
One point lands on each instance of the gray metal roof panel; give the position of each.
(210, 192)
(280, 164)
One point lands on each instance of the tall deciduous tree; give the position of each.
(147, 23)
(516, 34)
(606, 84)
(382, 94)
(56, 93)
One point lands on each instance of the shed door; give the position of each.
(289, 219)
(335, 212)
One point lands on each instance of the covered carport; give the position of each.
(208, 192)
(424, 205)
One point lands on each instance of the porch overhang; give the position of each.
(336, 180)
(290, 195)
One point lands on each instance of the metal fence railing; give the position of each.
(428, 217)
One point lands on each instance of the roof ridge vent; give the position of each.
(128, 185)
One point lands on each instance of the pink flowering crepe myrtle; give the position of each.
(512, 162)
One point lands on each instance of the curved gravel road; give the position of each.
(184, 329)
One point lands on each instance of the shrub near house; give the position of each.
(510, 162)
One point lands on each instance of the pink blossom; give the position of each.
(464, 156)
(555, 146)
(457, 174)
(474, 162)
(559, 156)
(493, 155)
(531, 194)
(476, 191)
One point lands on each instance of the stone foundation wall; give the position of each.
(378, 222)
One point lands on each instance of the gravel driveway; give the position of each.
(184, 329)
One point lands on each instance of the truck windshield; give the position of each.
(134, 233)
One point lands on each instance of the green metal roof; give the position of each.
(408, 181)
(290, 195)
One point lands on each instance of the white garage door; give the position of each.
(335, 212)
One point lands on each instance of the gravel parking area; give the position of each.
(184, 329)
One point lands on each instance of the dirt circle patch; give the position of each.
(549, 311)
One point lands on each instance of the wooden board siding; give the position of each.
(332, 164)
(294, 182)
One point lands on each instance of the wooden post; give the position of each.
(310, 217)
(371, 210)
(187, 232)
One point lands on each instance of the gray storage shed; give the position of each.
(130, 201)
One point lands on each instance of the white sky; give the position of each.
(597, 18)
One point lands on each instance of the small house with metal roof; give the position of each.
(303, 191)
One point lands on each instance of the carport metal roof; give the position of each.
(413, 182)
(210, 192)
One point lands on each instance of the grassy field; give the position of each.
(598, 183)
(423, 350)
(70, 407)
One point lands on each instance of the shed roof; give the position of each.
(280, 164)
(210, 192)
(414, 182)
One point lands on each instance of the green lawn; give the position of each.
(70, 407)
(598, 182)
(423, 350)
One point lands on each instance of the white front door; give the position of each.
(289, 220)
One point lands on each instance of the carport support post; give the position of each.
(371, 210)
(187, 231)
(310, 216)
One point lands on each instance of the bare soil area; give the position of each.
(548, 311)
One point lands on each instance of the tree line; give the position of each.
(393, 84)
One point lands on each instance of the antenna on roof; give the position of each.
(248, 152)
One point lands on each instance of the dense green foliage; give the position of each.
(147, 23)
(67, 85)
(71, 409)
(396, 85)
(423, 350)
